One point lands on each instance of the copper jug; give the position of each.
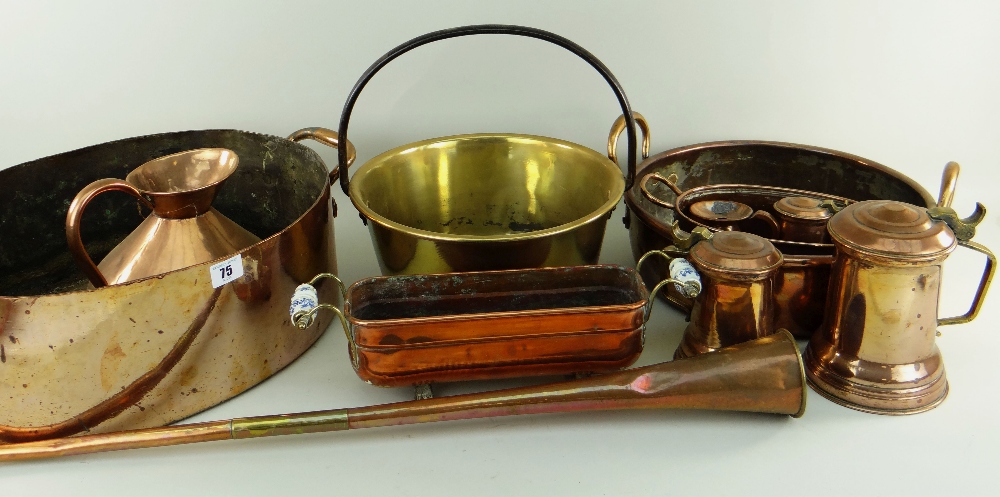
(736, 304)
(803, 219)
(183, 228)
(875, 351)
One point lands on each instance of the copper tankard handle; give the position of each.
(485, 29)
(329, 138)
(75, 215)
(616, 130)
(984, 284)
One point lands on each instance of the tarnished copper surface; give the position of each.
(736, 305)
(764, 376)
(876, 352)
(782, 165)
(145, 353)
(412, 330)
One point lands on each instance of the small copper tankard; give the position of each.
(736, 304)
(803, 219)
(875, 352)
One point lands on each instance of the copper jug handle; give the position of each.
(75, 215)
(670, 181)
(488, 29)
(616, 130)
(329, 138)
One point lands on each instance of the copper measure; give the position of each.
(183, 228)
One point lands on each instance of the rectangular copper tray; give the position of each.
(417, 329)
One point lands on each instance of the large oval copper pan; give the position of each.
(152, 351)
(801, 292)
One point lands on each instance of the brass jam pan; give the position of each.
(804, 274)
(419, 329)
(485, 201)
(155, 350)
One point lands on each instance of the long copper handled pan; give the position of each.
(765, 375)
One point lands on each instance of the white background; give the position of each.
(909, 84)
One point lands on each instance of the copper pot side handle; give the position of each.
(305, 306)
(949, 180)
(670, 181)
(124, 399)
(75, 215)
(616, 130)
(329, 138)
(984, 285)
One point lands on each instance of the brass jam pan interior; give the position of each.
(486, 202)
(487, 187)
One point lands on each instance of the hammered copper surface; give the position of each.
(417, 329)
(152, 351)
(764, 376)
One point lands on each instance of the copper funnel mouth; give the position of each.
(184, 184)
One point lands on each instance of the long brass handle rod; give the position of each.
(764, 375)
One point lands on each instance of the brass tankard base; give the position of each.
(893, 389)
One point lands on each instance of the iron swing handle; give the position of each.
(342, 153)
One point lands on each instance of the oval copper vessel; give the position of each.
(801, 286)
(155, 350)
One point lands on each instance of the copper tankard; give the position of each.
(738, 272)
(875, 351)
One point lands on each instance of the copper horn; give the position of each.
(763, 375)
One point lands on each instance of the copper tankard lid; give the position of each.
(736, 252)
(887, 227)
(807, 208)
